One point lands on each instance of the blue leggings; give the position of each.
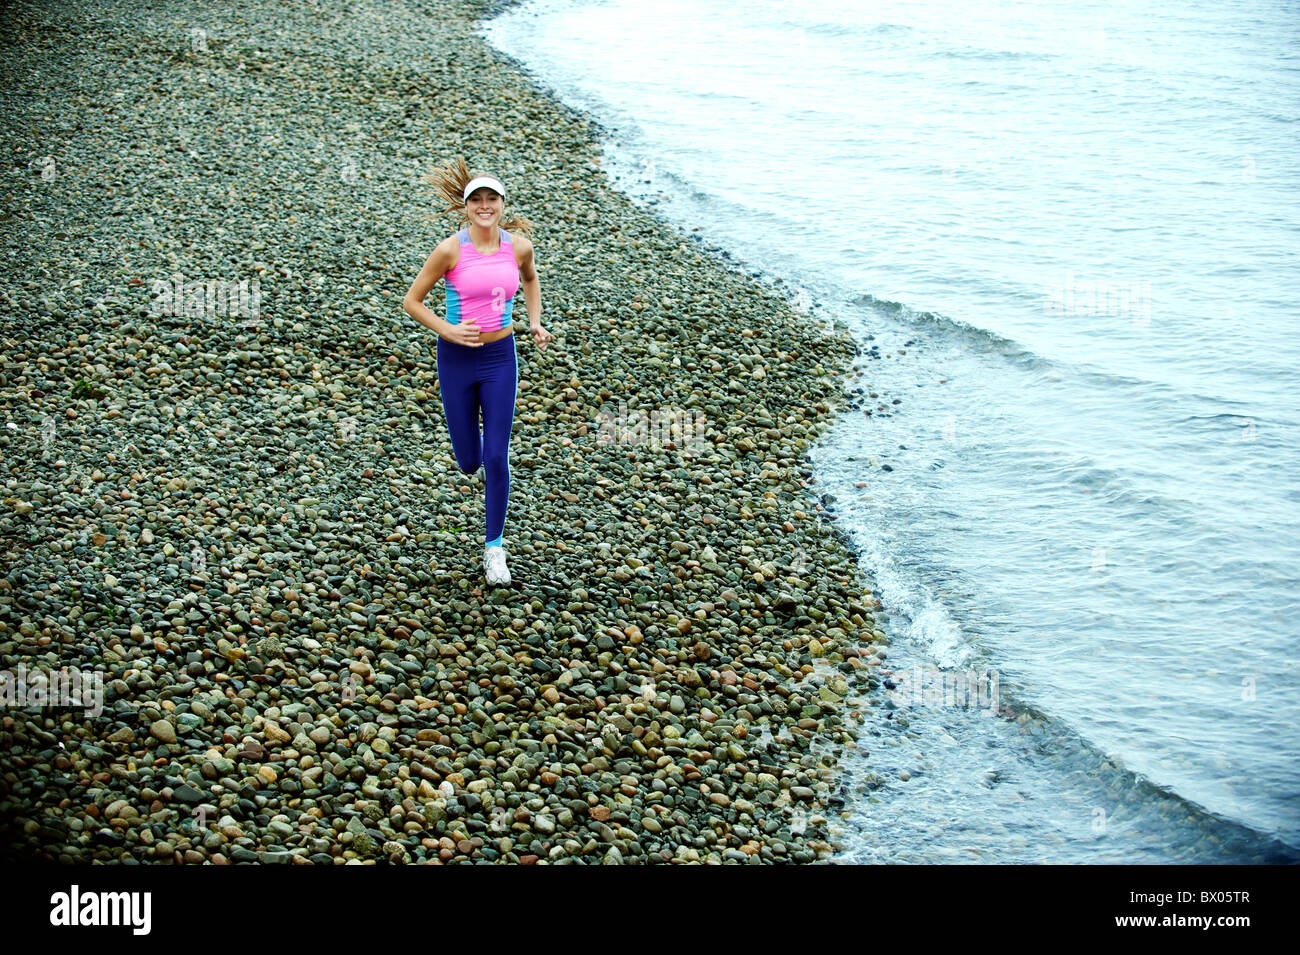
(473, 378)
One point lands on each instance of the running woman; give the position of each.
(484, 267)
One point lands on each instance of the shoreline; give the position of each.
(325, 671)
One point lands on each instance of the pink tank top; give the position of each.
(481, 288)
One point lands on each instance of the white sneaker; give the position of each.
(494, 560)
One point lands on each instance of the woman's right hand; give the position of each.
(464, 333)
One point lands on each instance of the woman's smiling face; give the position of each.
(485, 206)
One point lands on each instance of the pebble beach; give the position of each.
(230, 499)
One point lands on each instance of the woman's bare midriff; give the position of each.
(486, 338)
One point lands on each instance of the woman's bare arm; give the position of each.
(441, 261)
(532, 289)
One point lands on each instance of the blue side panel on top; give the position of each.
(510, 305)
(453, 303)
(453, 297)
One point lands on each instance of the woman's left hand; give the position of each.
(540, 335)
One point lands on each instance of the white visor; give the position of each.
(482, 181)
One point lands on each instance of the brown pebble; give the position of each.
(163, 730)
(253, 750)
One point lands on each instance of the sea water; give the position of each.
(1066, 236)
